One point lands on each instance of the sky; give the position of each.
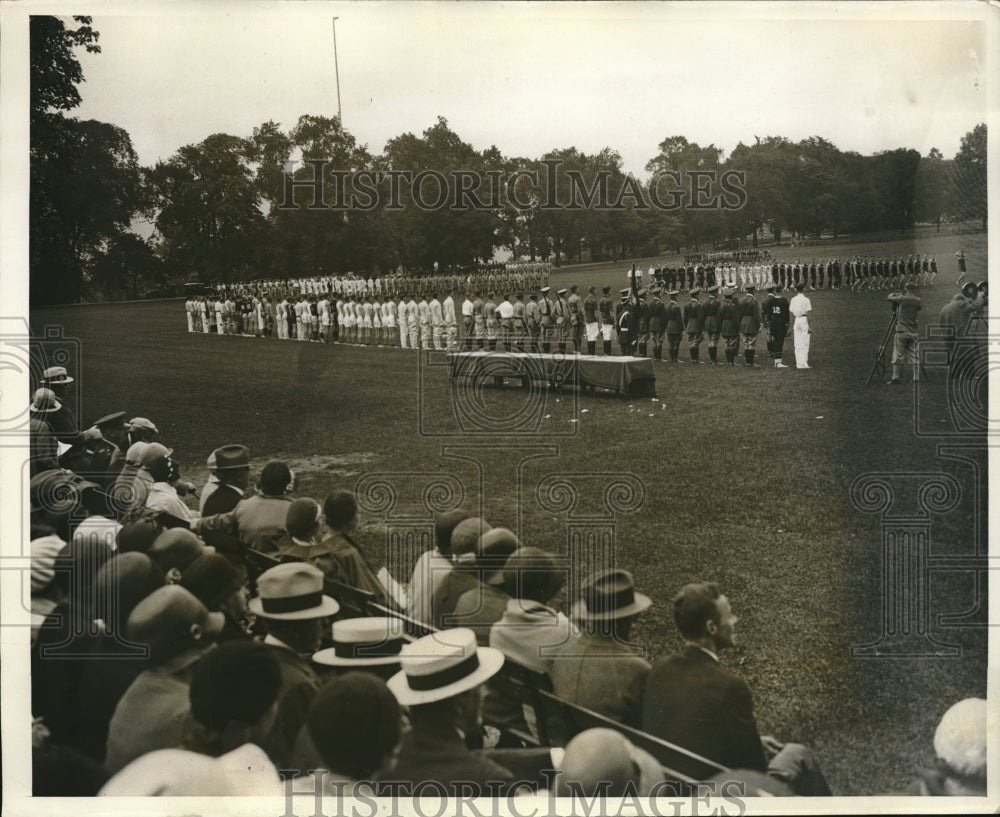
(531, 78)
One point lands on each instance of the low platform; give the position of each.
(629, 376)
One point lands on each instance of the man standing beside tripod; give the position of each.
(906, 306)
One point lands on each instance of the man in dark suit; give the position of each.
(690, 700)
(440, 681)
(232, 469)
(295, 613)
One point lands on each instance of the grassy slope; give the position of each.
(746, 475)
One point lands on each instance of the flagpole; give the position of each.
(336, 68)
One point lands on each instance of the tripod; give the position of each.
(878, 365)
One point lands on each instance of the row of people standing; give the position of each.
(644, 319)
(858, 273)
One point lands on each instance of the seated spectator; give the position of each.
(162, 470)
(234, 697)
(111, 663)
(123, 489)
(432, 566)
(463, 576)
(151, 714)
(529, 632)
(355, 723)
(483, 605)
(141, 430)
(232, 470)
(600, 669)
(174, 550)
(295, 613)
(259, 520)
(691, 701)
(139, 534)
(243, 772)
(341, 513)
(440, 682)
(99, 525)
(303, 531)
(370, 644)
(960, 746)
(604, 762)
(219, 586)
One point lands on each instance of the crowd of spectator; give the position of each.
(197, 640)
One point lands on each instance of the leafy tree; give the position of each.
(209, 208)
(969, 177)
(127, 263)
(85, 187)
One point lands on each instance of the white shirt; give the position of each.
(506, 309)
(800, 306)
(449, 309)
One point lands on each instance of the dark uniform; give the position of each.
(675, 326)
(657, 324)
(694, 324)
(777, 319)
(729, 326)
(710, 313)
(641, 320)
(624, 321)
(749, 325)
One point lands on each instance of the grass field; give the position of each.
(746, 477)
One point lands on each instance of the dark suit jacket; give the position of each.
(691, 701)
(438, 753)
(222, 500)
(298, 686)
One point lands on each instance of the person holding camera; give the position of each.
(906, 305)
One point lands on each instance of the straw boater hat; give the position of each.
(44, 401)
(442, 665)
(610, 594)
(364, 642)
(292, 591)
(56, 375)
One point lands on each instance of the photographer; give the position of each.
(906, 306)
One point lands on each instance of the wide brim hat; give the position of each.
(695, 291)
(142, 422)
(609, 595)
(713, 288)
(545, 289)
(115, 418)
(231, 457)
(364, 642)
(442, 665)
(292, 592)
(44, 401)
(56, 375)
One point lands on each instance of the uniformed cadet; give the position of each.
(729, 324)
(657, 322)
(590, 320)
(750, 318)
(711, 324)
(624, 323)
(532, 320)
(574, 308)
(491, 321)
(694, 324)
(559, 312)
(605, 314)
(478, 320)
(641, 322)
(674, 325)
(547, 320)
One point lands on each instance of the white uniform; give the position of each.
(800, 307)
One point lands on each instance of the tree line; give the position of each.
(219, 210)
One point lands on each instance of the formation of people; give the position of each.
(859, 273)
